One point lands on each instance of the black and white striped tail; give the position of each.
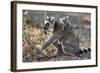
(85, 53)
(85, 50)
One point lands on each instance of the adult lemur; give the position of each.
(61, 32)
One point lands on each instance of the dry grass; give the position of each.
(34, 38)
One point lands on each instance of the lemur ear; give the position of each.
(47, 17)
(67, 18)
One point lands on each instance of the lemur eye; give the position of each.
(47, 24)
(50, 20)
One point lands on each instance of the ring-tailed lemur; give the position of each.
(61, 31)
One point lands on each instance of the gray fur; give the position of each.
(62, 32)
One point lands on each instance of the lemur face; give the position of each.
(64, 20)
(49, 23)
